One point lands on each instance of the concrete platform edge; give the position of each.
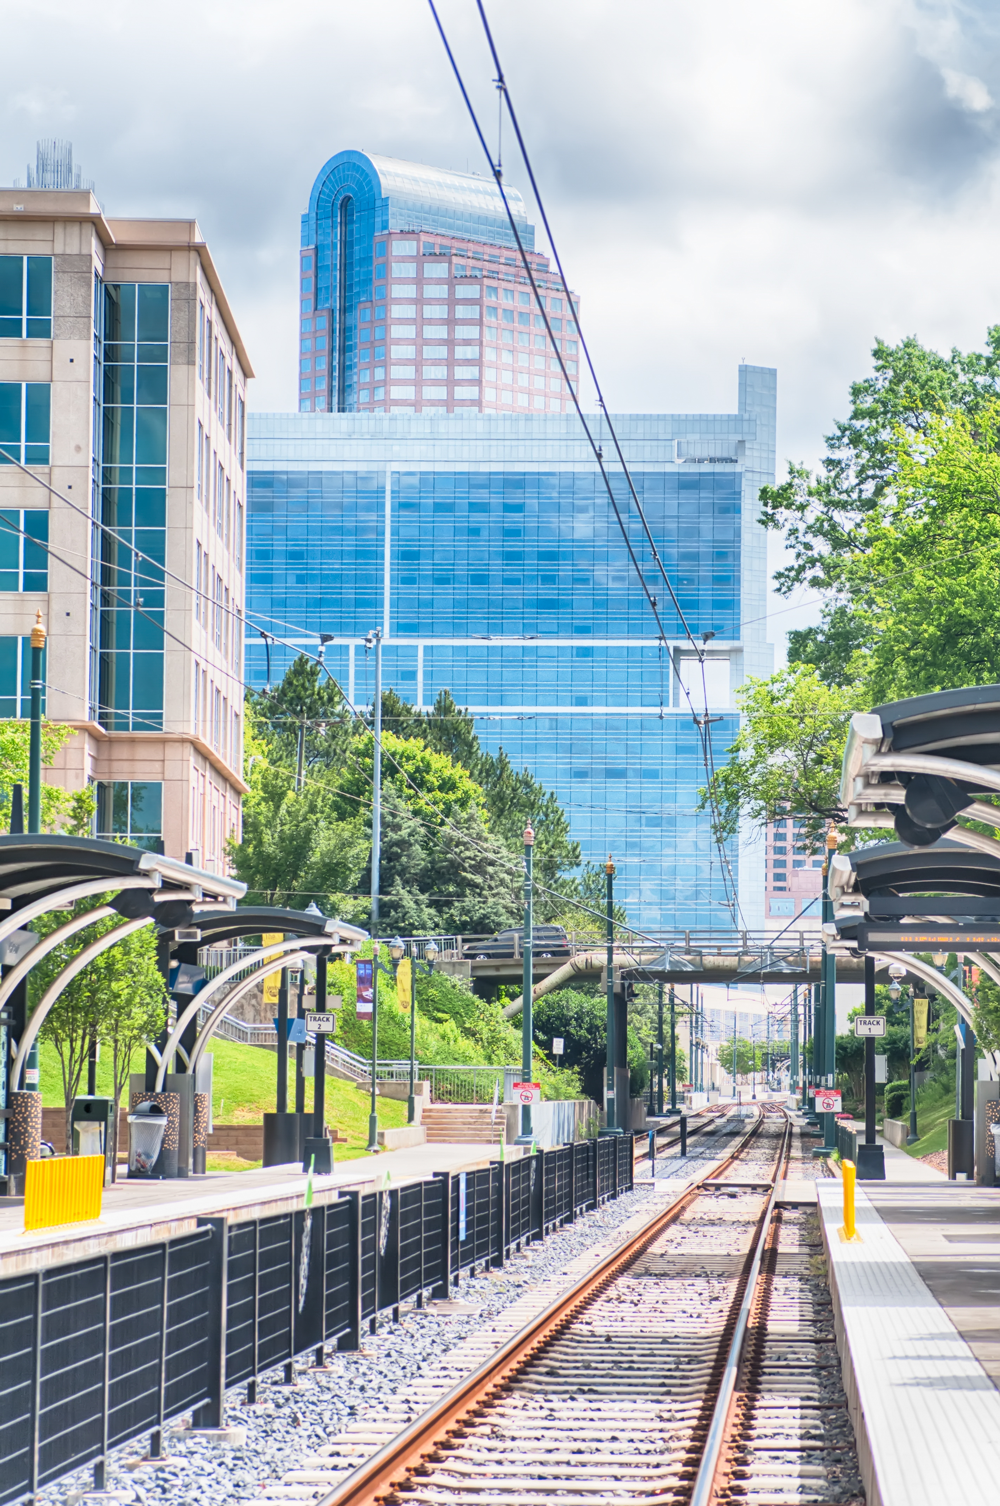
(925, 1414)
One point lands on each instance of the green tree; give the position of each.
(824, 518)
(749, 1056)
(62, 810)
(119, 997)
(580, 1019)
(786, 756)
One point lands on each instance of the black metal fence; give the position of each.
(105, 1350)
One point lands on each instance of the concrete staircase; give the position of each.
(462, 1123)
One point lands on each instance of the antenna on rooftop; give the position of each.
(54, 167)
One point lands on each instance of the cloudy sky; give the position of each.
(774, 181)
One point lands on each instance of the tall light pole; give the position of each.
(35, 733)
(897, 972)
(430, 952)
(673, 1051)
(526, 1136)
(659, 1045)
(374, 640)
(611, 1113)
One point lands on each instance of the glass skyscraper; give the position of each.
(414, 299)
(484, 547)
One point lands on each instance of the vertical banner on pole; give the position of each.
(272, 981)
(365, 976)
(462, 1205)
(404, 983)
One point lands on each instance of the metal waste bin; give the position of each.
(91, 1121)
(147, 1125)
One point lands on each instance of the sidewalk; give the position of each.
(926, 1413)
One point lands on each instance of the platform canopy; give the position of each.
(944, 898)
(33, 867)
(218, 927)
(919, 765)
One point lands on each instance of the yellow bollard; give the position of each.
(64, 1190)
(848, 1233)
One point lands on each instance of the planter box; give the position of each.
(895, 1131)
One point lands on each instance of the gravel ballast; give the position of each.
(289, 1424)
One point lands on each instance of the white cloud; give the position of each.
(967, 90)
(778, 181)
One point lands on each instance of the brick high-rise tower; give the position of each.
(414, 298)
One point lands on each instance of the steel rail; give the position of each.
(705, 1488)
(380, 1476)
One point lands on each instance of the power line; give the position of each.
(703, 725)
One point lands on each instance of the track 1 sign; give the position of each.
(869, 1025)
(827, 1101)
(527, 1092)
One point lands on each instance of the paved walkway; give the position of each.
(925, 1411)
(139, 1211)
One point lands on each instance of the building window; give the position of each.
(26, 297)
(24, 422)
(133, 809)
(241, 429)
(201, 342)
(23, 557)
(136, 366)
(239, 536)
(15, 677)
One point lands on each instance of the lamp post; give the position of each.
(673, 1051)
(897, 972)
(35, 736)
(612, 1115)
(526, 1137)
(659, 1043)
(430, 953)
(378, 966)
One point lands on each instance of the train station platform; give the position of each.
(139, 1211)
(918, 1330)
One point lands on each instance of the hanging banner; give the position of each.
(404, 983)
(920, 1008)
(365, 975)
(462, 1204)
(272, 982)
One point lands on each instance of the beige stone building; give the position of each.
(123, 395)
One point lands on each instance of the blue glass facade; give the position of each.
(486, 550)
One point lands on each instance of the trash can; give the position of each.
(147, 1125)
(91, 1122)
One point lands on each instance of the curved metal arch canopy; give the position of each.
(200, 999)
(59, 982)
(223, 1007)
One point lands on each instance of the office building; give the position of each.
(414, 299)
(794, 877)
(484, 547)
(123, 389)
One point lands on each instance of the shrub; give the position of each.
(897, 1096)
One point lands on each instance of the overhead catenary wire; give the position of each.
(729, 884)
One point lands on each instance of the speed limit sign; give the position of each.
(528, 1092)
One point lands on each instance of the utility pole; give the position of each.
(300, 760)
(527, 984)
(611, 1113)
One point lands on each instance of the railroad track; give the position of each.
(695, 1365)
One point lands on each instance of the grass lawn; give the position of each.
(935, 1106)
(244, 1088)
